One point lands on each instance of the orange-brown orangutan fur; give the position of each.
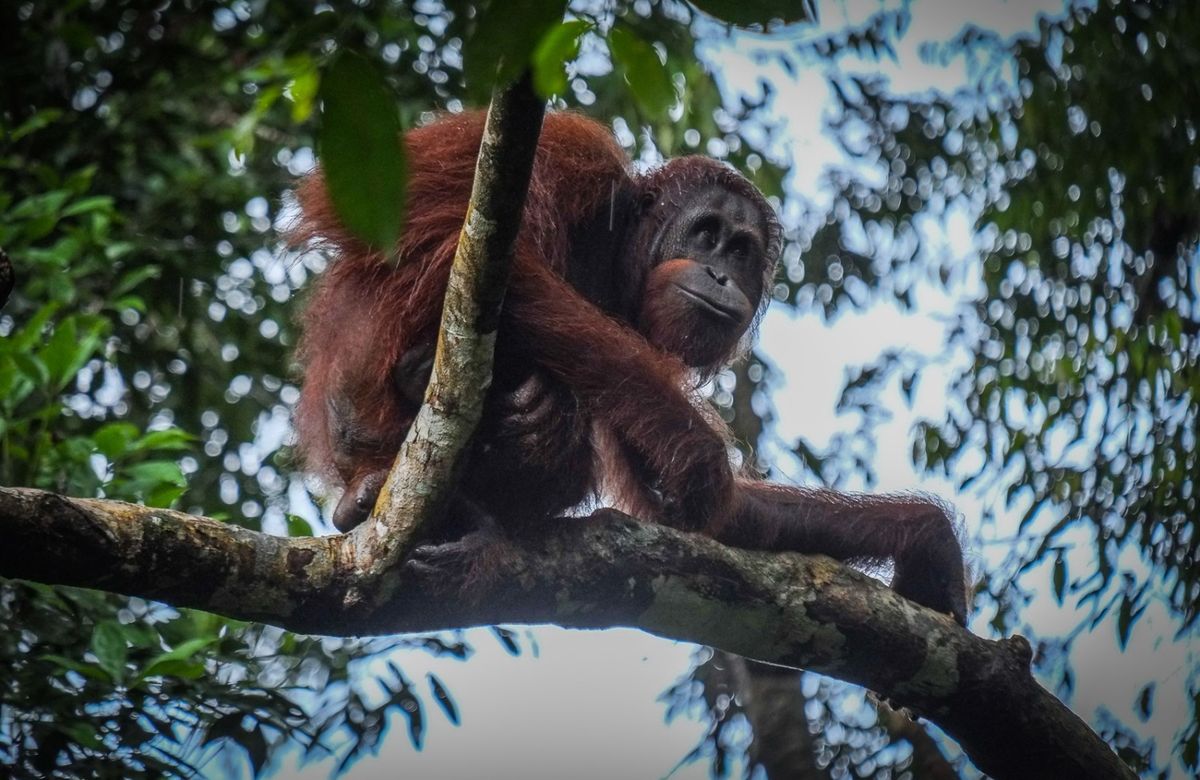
(627, 290)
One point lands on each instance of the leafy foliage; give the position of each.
(1075, 152)
(133, 689)
(506, 38)
(641, 67)
(1083, 337)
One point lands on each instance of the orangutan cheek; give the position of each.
(673, 323)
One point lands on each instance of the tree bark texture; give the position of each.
(425, 469)
(604, 571)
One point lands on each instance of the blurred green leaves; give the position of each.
(1075, 155)
(362, 153)
(108, 646)
(508, 37)
(62, 236)
(643, 70)
(553, 52)
(745, 13)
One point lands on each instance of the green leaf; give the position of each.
(108, 644)
(80, 181)
(31, 334)
(744, 13)
(91, 671)
(178, 659)
(644, 71)
(75, 341)
(442, 696)
(1060, 577)
(504, 39)
(118, 249)
(1145, 702)
(1125, 620)
(88, 204)
(298, 526)
(167, 439)
(157, 472)
(60, 349)
(32, 368)
(163, 496)
(558, 47)
(242, 133)
(45, 204)
(266, 99)
(113, 439)
(81, 732)
(362, 151)
(134, 277)
(179, 669)
(134, 302)
(303, 91)
(36, 122)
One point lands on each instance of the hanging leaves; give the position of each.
(644, 71)
(362, 154)
(505, 38)
(557, 48)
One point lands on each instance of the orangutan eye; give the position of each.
(706, 231)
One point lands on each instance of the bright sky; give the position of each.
(586, 706)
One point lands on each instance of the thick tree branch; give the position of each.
(609, 570)
(425, 469)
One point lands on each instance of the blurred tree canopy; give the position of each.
(1076, 362)
(145, 156)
